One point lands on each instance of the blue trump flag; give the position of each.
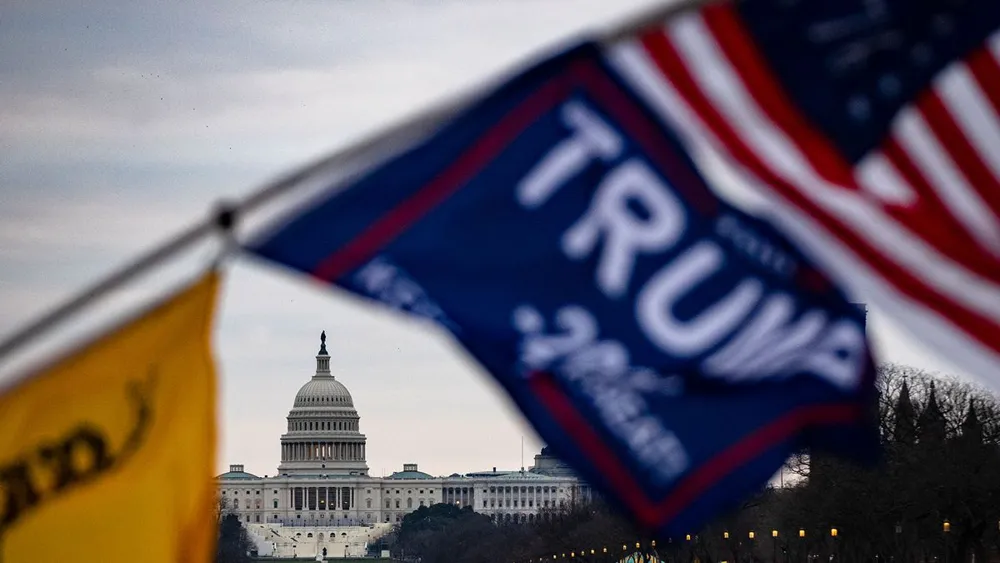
(671, 348)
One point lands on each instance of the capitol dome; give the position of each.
(323, 436)
(323, 392)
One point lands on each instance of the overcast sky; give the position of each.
(122, 122)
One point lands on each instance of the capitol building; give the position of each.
(323, 502)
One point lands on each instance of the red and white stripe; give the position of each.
(915, 226)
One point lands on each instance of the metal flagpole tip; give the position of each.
(225, 216)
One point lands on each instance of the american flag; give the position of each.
(870, 126)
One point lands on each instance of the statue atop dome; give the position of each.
(322, 344)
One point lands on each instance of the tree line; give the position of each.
(933, 498)
(233, 544)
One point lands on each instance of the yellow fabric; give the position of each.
(146, 392)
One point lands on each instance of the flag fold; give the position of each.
(673, 349)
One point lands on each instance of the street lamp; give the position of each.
(774, 546)
(833, 532)
(752, 535)
(802, 532)
(725, 535)
(687, 537)
(946, 528)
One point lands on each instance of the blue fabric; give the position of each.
(851, 65)
(575, 331)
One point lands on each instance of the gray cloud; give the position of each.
(122, 122)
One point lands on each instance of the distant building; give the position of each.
(323, 479)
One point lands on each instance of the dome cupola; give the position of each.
(323, 390)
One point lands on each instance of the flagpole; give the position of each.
(150, 259)
(377, 144)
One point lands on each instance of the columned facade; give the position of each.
(321, 498)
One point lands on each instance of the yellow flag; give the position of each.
(109, 454)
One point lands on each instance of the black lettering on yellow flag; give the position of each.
(109, 454)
